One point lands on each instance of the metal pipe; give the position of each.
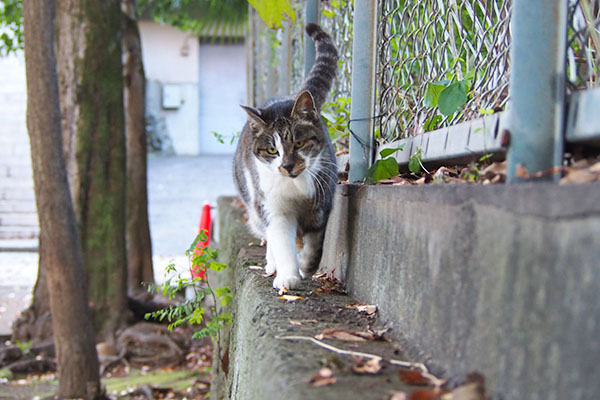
(311, 14)
(537, 88)
(363, 89)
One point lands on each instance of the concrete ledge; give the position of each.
(260, 365)
(503, 279)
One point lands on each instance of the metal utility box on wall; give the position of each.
(171, 96)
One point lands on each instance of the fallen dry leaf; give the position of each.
(296, 323)
(288, 297)
(255, 267)
(368, 309)
(470, 391)
(282, 291)
(372, 366)
(414, 378)
(398, 396)
(427, 394)
(322, 378)
(579, 176)
(340, 334)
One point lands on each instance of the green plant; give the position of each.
(384, 168)
(414, 163)
(194, 311)
(11, 26)
(221, 138)
(336, 115)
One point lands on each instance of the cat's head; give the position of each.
(288, 135)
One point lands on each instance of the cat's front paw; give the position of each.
(286, 281)
(270, 268)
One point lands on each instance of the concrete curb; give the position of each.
(501, 279)
(261, 365)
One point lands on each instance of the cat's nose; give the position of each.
(287, 165)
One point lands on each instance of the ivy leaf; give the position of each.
(432, 93)
(388, 152)
(452, 98)
(414, 164)
(383, 169)
(273, 12)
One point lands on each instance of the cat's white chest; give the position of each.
(280, 190)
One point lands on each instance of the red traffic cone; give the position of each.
(198, 271)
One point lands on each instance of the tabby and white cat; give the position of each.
(285, 170)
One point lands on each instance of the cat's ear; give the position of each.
(304, 106)
(255, 114)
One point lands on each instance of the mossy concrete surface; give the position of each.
(501, 279)
(261, 363)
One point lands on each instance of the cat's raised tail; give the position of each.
(319, 80)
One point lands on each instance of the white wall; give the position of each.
(171, 57)
(222, 87)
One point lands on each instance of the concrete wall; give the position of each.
(504, 280)
(171, 58)
(222, 90)
(211, 83)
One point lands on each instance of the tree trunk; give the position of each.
(139, 246)
(91, 97)
(60, 246)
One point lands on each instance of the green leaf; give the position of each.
(388, 152)
(432, 123)
(485, 111)
(222, 291)
(432, 93)
(216, 266)
(273, 12)
(383, 169)
(414, 163)
(225, 300)
(452, 98)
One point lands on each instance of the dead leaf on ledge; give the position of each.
(303, 322)
(282, 291)
(414, 378)
(340, 334)
(368, 309)
(322, 378)
(398, 396)
(427, 394)
(290, 298)
(255, 267)
(371, 367)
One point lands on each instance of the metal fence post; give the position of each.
(311, 14)
(537, 88)
(363, 88)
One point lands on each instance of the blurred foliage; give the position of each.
(11, 26)
(215, 18)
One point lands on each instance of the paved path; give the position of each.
(177, 189)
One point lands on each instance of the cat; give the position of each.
(285, 170)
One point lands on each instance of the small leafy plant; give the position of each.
(193, 311)
(336, 115)
(384, 168)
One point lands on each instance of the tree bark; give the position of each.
(60, 245)
(139, 246)
(91, 96)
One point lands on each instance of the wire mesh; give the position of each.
(427, 46)
(277, 58)
(337, 18)
(583, 54)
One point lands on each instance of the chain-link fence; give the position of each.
(440, 62)
(583, 56)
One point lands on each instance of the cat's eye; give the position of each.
(272, 150)
(299, 143)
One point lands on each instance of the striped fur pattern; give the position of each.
(285, 171)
